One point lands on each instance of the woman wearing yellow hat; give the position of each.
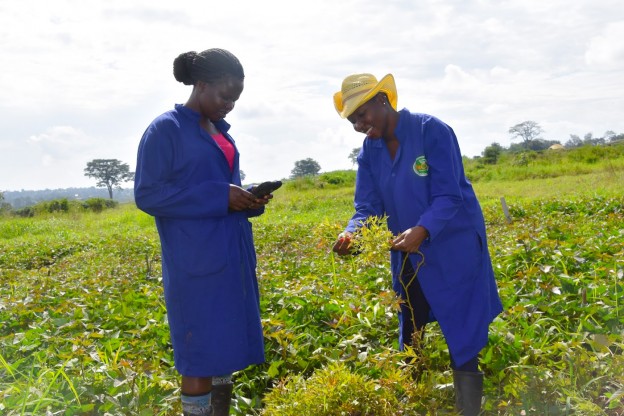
(410, 169)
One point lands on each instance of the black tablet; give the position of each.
(265, 188)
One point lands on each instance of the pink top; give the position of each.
(227, 147)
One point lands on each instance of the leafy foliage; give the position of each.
(63, 205)
(109, 173)
(354, 155)
(305, 167)
(99, 204)
(528, 131)
(85, 333)
(498, 165)
(333, 390)
(26, 198)
(491, 153)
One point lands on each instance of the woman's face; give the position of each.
(217, 99)
(371, 118)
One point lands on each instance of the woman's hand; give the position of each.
(241, 200)
(410, 240)
(342, 246)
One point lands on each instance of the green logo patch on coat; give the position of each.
(420, 166)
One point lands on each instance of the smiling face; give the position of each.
(373, 118)
(216, 100)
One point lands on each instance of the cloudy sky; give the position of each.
(81, 80)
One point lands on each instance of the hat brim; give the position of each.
(385, 85)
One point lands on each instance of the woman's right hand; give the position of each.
(241, 200)
(342, 246)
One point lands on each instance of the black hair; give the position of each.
(209, 66)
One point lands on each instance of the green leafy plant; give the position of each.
(333, 390)
(85, 331)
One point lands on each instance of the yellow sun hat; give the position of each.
(359, 88)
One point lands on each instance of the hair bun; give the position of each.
(182, 67)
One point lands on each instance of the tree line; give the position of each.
(529, 133)
(111, 173)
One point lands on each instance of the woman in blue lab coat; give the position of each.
(410, 169)
(188, 178)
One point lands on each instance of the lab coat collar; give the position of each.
(221, 125)
(404, 115)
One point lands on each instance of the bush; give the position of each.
(333, 390)
(5, 208)
(25, 212)
(335, 179)
(57, 205)
(339, 177)
(99, 204)
(595, 154)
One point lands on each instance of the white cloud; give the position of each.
(607, 50)
(82, 80)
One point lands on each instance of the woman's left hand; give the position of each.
(410, 240)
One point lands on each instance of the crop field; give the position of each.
(84, 328)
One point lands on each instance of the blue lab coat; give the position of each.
(425, 185)
(208, 257)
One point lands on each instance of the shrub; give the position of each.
(5, 208)
(57, 205)
(99, 204)
(335, 179)
(339, 177)
(333, 390)
(25, 212)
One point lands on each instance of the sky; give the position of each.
(81, 80)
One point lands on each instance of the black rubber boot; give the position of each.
(468, 392)
(221, 398)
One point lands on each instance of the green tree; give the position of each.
(491, 153)
(612, 137)
(109, 172)
(575, 141)
(354, 154)
(305, 167)
(609, 135)
(4, 206)
(589, 139)
(527, 131)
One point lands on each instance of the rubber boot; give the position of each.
(221, 398)
(468, 392)
(208, 412)
(196, 405)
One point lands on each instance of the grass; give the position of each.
(565, 187)
(548, 164)
(85, 333)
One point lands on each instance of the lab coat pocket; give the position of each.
(201, 247)
(461, 258)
